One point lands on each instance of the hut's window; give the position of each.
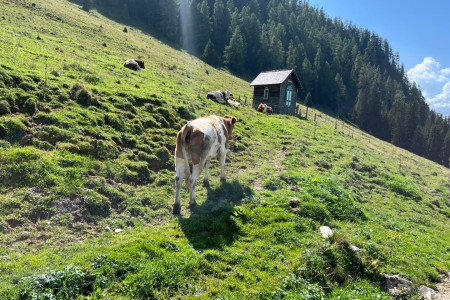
(289, 96)
(266, 93)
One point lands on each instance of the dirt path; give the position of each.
(443, 288)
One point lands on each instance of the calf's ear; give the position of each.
(231, 118)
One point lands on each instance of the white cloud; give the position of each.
(434, 81)
(441, 98)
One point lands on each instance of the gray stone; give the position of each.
(325, 231)
(396, 286)
(354, 248)
(426, 293)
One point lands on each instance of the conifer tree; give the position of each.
(221, 22)
(446, 149)
(308, 103)
(210, 55)
(87, 4)
(234, 52)
(292, 55)
(202, 24)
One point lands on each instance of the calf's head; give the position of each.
(229, 122)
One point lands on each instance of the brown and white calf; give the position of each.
(199, 141)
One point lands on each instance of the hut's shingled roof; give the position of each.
(273, 77)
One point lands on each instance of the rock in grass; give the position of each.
(396, 286)
(355, 248)
(294, 202)
(326, 231)
(426, 293)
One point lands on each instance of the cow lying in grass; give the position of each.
(221, 97)
(198, 142)
(134, 64)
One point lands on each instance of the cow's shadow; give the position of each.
(212, 224)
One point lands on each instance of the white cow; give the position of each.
(199, 141)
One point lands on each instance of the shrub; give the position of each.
(64, 285)
(82, 95)
(5, 79)
(12, 129)
(27, 86)
(11, 99)
(185, 113)
(4, 108)
(114, 121)
(3, 144)
(63, 98)
(30, 106)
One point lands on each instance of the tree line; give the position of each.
(346, 70)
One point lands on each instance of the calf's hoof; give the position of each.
(223, 179)
(192, 205)
(176, 209)
(206, 183)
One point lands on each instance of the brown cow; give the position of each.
(199, 141)
(264, 108)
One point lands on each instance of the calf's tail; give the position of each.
(187, 134)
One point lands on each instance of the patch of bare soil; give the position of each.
(280, 158)
(443, 288)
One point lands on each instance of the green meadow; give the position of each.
(86, 180)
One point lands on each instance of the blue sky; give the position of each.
(418, 30)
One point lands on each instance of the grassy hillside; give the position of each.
(86, 180)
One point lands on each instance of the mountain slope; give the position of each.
(86, 182)
(349, 71)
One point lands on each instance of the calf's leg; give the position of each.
(206, 178)
(222, 158)
(181, 171)
(196, 170)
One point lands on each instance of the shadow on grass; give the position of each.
(213, 224)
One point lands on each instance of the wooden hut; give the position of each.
(279, 89)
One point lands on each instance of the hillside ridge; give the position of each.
(86, 180)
